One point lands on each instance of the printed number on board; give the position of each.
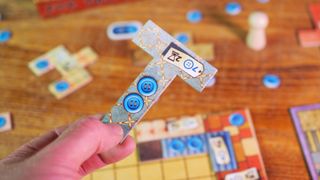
(178, 57)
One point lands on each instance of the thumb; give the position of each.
(81, 140)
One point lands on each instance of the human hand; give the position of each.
(68, 153)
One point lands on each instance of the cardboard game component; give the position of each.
(306, 120)
(5, 122)
(170, 59)
(187, 155)
(204, 50)
(71, 67)
(50, 8)
(311, 37)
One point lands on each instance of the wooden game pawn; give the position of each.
(256, 38)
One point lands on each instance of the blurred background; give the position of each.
(33, 31)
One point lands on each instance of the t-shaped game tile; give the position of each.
(170, 59)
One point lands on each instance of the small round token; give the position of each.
(42, 64)
(177, 145)
(195, 143)
(233, 8)
(5, 35)
(271, 81)
(62, 86)
(183, 38)
(236, 119)
(133, 103)
(147, 86)
(2, 121)
(194, 16)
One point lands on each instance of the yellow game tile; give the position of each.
(5, 122)
(233, 130)
(198, 166)
(108, 167)
(86, 56)
(130, 160)
(174, 169)
(63, 88)
(127, 173)
(250, 146)
(87, 177)
(201, 178)
(103, 175)
(204, 50)
(238, 150)
(150, 171)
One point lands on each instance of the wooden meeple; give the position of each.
(170, 59)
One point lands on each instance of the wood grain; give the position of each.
(238, 85)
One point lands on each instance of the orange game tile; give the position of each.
(212, 123)
(253, 161)
(245, 133)
(235, 139)
(239, 152)
(315, 14)
(242, 166)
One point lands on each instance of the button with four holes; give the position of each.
(133, 103)
(147, 86)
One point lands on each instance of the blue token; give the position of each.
(3, 121)
(183, 38)
(271, 81)
(195, 143)
(236, 119)
(5, 35)
(233, 8)
(147, 86)
(133, 103)
(125, 29)
(42, 64)
(62, 86)
(194, 16)
(177, 145)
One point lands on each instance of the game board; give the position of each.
(306, 120)
(192, 164)
(49, 8)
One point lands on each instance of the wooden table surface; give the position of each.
(238, 85)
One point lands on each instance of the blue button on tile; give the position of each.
(194, 16)
(133, 103)
(177, 145)
(62, 86)
(233, 8)
(183, 38)
(271, 81)
(147, 86)
(195, 143)
(2, 121)
(125, 29)
(42, 64)
(5, 35)
(236, 119)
